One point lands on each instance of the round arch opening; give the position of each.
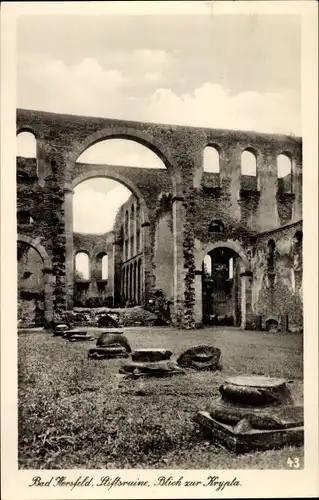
(31, 292)
(107, 228)
(221, 287)
(123, 151)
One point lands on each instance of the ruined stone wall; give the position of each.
(163, 248)
(95, 246)
(246, 207)
(278, 291)
(30, 275)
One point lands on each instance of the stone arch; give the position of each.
(48, 275)
(104, 172)
(245, 277)
(33, 242)
(233, 245)
(89, 263)
(285, 172)
(27, 128)
(139, 136)
(249, 160)
(211, 158)
(216, 226)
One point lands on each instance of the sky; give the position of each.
(222, 71)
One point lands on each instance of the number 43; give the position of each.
(293, 463)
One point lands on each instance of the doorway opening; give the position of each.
(221, 287)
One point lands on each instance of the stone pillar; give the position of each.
(43, 165)
(94, 273)
(179, 284)
(129, 249)
(135, 231)
(147, 266)
(247, 317)
(48, 294)
(198, 313)
(230, 173)
(69, 271)
(283, 323)
(268, 186)
(115, 272)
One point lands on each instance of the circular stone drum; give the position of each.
(256, 391)
(201, 357)
(113, 338)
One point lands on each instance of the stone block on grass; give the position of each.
(113, 338)
(151, 355)
(256, 390)
(151, 369)
(107, 352)
(253, 413)
(60, 330)
(70, 333)
(201, 357)
(80, 338)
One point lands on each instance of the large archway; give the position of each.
(34, 280)
(108, 227)
(223, 285)
(139, 250)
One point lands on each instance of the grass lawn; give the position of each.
(80, 413)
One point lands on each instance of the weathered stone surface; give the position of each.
(256, 391)
(145, 355)
(70, 333)
(242, 438)
(80, 338)
(107, 352)
(152, 369)
(201, 357)
(113, 338)
(262, 417)
(60, 330)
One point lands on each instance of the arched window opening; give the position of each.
(271, 256)
(26, 145)
(105, 267)
(248, 163)
(216, 226)
(82, 266)
(211, 160)
(138, 241)
(284, 173)
(121, 152)
(207, 266)
(132, 213)
(25, 218)
(126, 222)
